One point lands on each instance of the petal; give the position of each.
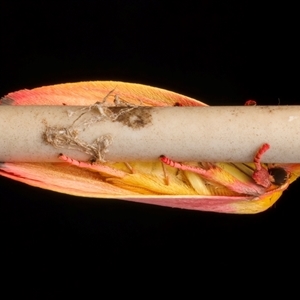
(87, 93)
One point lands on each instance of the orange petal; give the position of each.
(87, 93)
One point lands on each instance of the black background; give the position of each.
(220, 53)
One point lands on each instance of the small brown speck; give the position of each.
(136, 118)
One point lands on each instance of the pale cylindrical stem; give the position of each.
(214, 134)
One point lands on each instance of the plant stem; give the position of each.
(231, 134)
